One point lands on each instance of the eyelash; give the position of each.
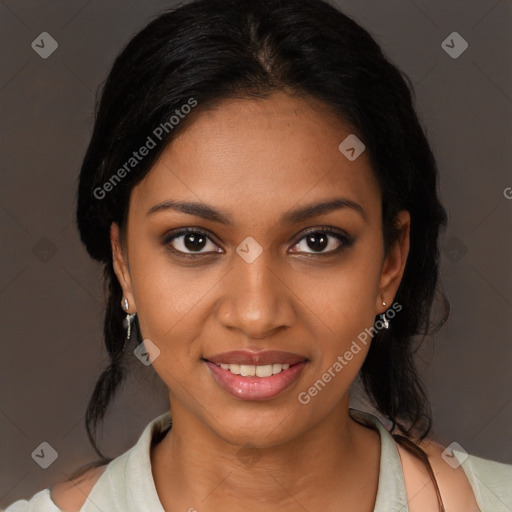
(345, 241)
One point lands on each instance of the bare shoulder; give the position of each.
(70, 495)
(456, 491)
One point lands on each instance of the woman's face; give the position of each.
(258, 275)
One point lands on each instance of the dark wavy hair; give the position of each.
(212, 50)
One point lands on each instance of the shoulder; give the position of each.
(455, 489)
(70, 495)
(491, 481)
(67, 496)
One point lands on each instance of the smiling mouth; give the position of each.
(255, 382)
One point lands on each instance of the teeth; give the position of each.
(250, 370)
(264, 371)
(247, 370)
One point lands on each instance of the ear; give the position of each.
(394, 263)
(121, 268)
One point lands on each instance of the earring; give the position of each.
(384, 319)
(129, 317)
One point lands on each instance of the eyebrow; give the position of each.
(290, 217)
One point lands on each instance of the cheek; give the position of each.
(344, 296)
(174, 306)
(344, 301)
(342, 338)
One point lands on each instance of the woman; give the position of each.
(264, 201)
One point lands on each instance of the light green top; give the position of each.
(127, 484)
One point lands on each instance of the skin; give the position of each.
(255, 160)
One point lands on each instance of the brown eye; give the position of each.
(322, 241)
(189, 242)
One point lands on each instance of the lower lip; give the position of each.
(256, 388)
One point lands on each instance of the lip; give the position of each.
(256, 388)
(262, 357)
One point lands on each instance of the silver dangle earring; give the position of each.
(129, 317)
(384, 319)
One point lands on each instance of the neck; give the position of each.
(193, 467)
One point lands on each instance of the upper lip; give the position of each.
(260, 358)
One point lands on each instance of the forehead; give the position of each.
(260, 155)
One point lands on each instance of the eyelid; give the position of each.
(342, 236)
(172, 235)
(324, 229)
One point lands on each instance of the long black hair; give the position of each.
(210, 50)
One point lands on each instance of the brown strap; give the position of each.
(420, 454)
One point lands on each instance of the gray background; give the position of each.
(51, 303)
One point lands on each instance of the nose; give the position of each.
(255, 298)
